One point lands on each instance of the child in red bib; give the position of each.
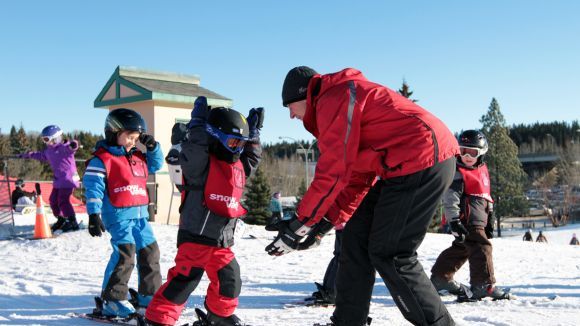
(222, 149)
(469, 208)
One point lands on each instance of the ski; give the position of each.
(369, 320)
(468, 297)
(134, 320)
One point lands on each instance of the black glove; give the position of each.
(199, 112)
(255, 122)
(96, 226)
(73, 144)
(316, 234)
(289, 235)
(490, 225)
(148, 141)
(458, 230)
(37, 188)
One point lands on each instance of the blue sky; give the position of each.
(55, 56)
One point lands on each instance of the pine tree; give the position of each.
(406, 91)
(507, 176)
(258, 199)
(18, 140)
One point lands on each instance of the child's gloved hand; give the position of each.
(96, 226)
(73, 144)
(148, 141)
(199, 113)
(458, 230)
(255, 122)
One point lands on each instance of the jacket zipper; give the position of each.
(204, 222)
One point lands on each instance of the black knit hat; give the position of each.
(296, 84)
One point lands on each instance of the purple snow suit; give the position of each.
(61, 158)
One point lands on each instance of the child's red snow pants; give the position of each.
(191, 261)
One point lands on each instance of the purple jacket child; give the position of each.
(60, 155)
(62, 161)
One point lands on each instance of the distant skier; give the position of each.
(60, 154)
(116, 191)
(276, 210)
(222, 149)
(528, 236)
(541, 238)
(469, 207)
(574, 241)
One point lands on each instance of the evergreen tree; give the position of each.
(507, 176)
(18, 140)
(258, 199)
(406, 91)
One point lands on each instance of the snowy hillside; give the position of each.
(42, 281)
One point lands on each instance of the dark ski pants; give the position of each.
(329, 281)
(383, 235)
(477, 249)
(131, 238)
(191, 261)
(59, 201)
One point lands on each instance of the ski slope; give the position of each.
(43, 281)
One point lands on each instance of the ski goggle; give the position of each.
(474, 152)
(48, 139)
(234, 144)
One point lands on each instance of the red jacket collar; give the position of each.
(320, 84)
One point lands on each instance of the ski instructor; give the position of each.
(365, 130)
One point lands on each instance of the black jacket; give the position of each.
(196, 223)
(19, 193)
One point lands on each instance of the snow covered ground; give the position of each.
(41, 281)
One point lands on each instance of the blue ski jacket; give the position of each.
(95, 183)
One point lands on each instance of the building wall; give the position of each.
(165, 117)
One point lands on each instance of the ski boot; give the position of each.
(488, 290)
(445, 287)
(60, 221)
(139, 301)
(111, 312)
(118, 308)
(321, 297)
(70, 224)
(211, 319)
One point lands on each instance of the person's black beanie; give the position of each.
(296, 84)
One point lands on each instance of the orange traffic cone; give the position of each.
(41, 227)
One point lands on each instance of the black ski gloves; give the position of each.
(96, 226)
(148, 141)
(458, 230)
(490, 225)
(290, 233)
(316, 234)
(255, 122)
(199, 113)
(73, 144)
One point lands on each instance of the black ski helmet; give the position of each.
(474, 139)
(123, 119)
(229, 132)
(229, 122)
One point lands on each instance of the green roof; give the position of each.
(129, 85)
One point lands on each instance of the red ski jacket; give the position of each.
(364, 130)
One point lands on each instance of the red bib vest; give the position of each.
(476, 182)
(126, 178)
(224, 187)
